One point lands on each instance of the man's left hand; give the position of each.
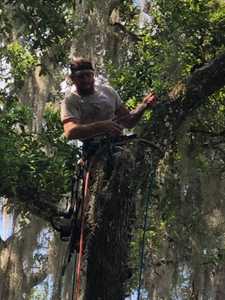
(150, 99)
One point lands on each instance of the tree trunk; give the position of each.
(17, 277)
(111, 216)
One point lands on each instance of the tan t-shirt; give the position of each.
(100, 106)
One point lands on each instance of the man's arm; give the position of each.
(74, 130)
(130, 118)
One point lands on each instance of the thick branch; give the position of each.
(202, 84)
(118, 27)
(114, 4)
(37, 278)
(2, 244)
(171, 113)
(43, 209)
(206, 80)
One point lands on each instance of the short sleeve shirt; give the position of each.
(100, 106)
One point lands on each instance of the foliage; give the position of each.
(184, 35)
(34, 166)
(21, 62)
(43, 23)
(184, 236)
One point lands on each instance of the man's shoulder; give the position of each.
(106, 88)
(71, 97)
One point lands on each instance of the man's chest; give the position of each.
(96, 109)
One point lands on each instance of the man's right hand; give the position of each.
(112, 128)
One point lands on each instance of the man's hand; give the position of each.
(150, 100)
(112, 128)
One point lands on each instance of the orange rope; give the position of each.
(81, 245)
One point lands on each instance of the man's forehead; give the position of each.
(83, 72)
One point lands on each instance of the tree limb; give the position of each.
(118, 27)
(36, 278)
(169, 114)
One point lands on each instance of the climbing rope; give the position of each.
(142, 248)
(74, 279)
(81, 244)
(77, 258)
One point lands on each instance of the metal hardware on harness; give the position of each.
(64, 221)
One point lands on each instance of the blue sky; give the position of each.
(5, 223)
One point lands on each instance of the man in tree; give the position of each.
(93, 110)
(96, 109)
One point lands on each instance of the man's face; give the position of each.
(84, 81)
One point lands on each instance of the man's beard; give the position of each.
(87, 91)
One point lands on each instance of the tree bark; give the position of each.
(111, 218)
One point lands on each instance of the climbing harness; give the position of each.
(63, 222)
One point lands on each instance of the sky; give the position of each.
(6, 222)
